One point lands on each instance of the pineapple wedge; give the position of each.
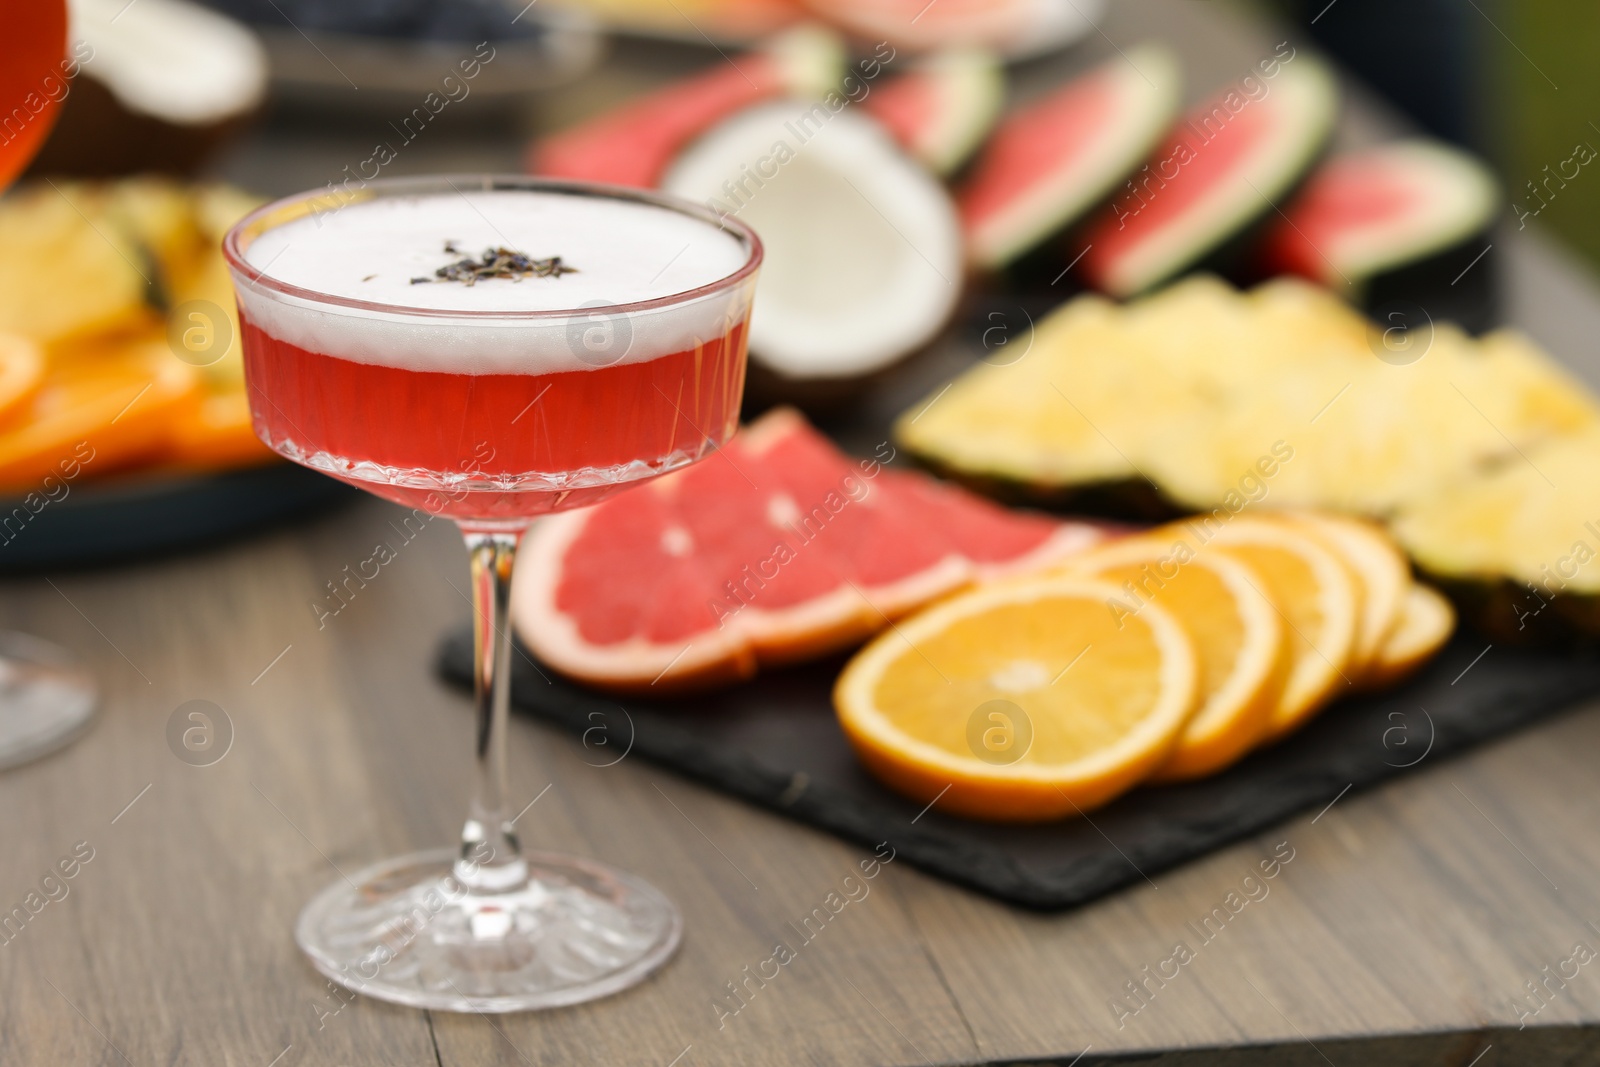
(66, 269)
(1276, 396)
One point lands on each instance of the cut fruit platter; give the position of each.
(1209, 498)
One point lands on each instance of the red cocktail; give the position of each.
(552, 441)
(492, 350)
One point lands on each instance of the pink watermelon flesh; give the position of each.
(1111, 236)
(1351, 194)
(1196, 160)
(907, 107)
(633, 144)
(651, 563)
(1032, 146)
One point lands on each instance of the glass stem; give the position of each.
(491, 857)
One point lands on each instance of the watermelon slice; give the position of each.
(776, 550)
(1381, 208)
(941, 111)
(1227, 164)
(633, 144)
(1054, 159)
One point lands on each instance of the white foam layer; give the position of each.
(624, 253)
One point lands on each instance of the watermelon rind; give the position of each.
(969, 90)
(1304, 99)
(1458, 202)
(1146, 83)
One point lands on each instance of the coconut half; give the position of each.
(863, 248)
(161, 83)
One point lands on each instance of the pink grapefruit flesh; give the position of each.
(777, 549)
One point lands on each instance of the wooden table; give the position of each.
(1402, 931)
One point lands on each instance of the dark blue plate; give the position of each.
(131, 517)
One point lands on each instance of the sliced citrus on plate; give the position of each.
(216, 434)
(1313, 591)
(1382, 574)
(1020, 701)
(1238, 638)
(21, 373)
(1426, 622)
(104, 411)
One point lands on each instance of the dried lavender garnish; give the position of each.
(495, 263)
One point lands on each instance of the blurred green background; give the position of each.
(1513, 79)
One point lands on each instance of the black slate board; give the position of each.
(774, 742)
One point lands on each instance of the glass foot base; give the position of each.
(45, 699)
(406, 931)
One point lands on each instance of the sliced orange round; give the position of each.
(216, 434)
(1313, 592)
(21, 373)
(1382, 573)
(1426, 622)
(96, 415)
(1020, 701)
(1237, 635)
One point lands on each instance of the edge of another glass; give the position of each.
(292, 208)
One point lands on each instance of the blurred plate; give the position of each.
(1056, 24)
(699, 22)
(319, 66)
(122, 519)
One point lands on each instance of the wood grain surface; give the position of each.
(1402, 931)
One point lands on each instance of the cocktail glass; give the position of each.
(491, 418)
(46, 699)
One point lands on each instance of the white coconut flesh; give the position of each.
(171, 60)
(863, 248)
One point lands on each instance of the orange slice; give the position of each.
(21, 373)
(1382, 573)
(1313, 592)
(1426, 623)
(1237, 635)
(1020, 701)
(216, 434)
(96, 415)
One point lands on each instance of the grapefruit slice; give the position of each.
(633, 144)
(1020, 701)
(1378, 209)
(777, 549)
(1224, 167)
(1313, 592)
(1237, 635)
(941, 111)
(1054, 159)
